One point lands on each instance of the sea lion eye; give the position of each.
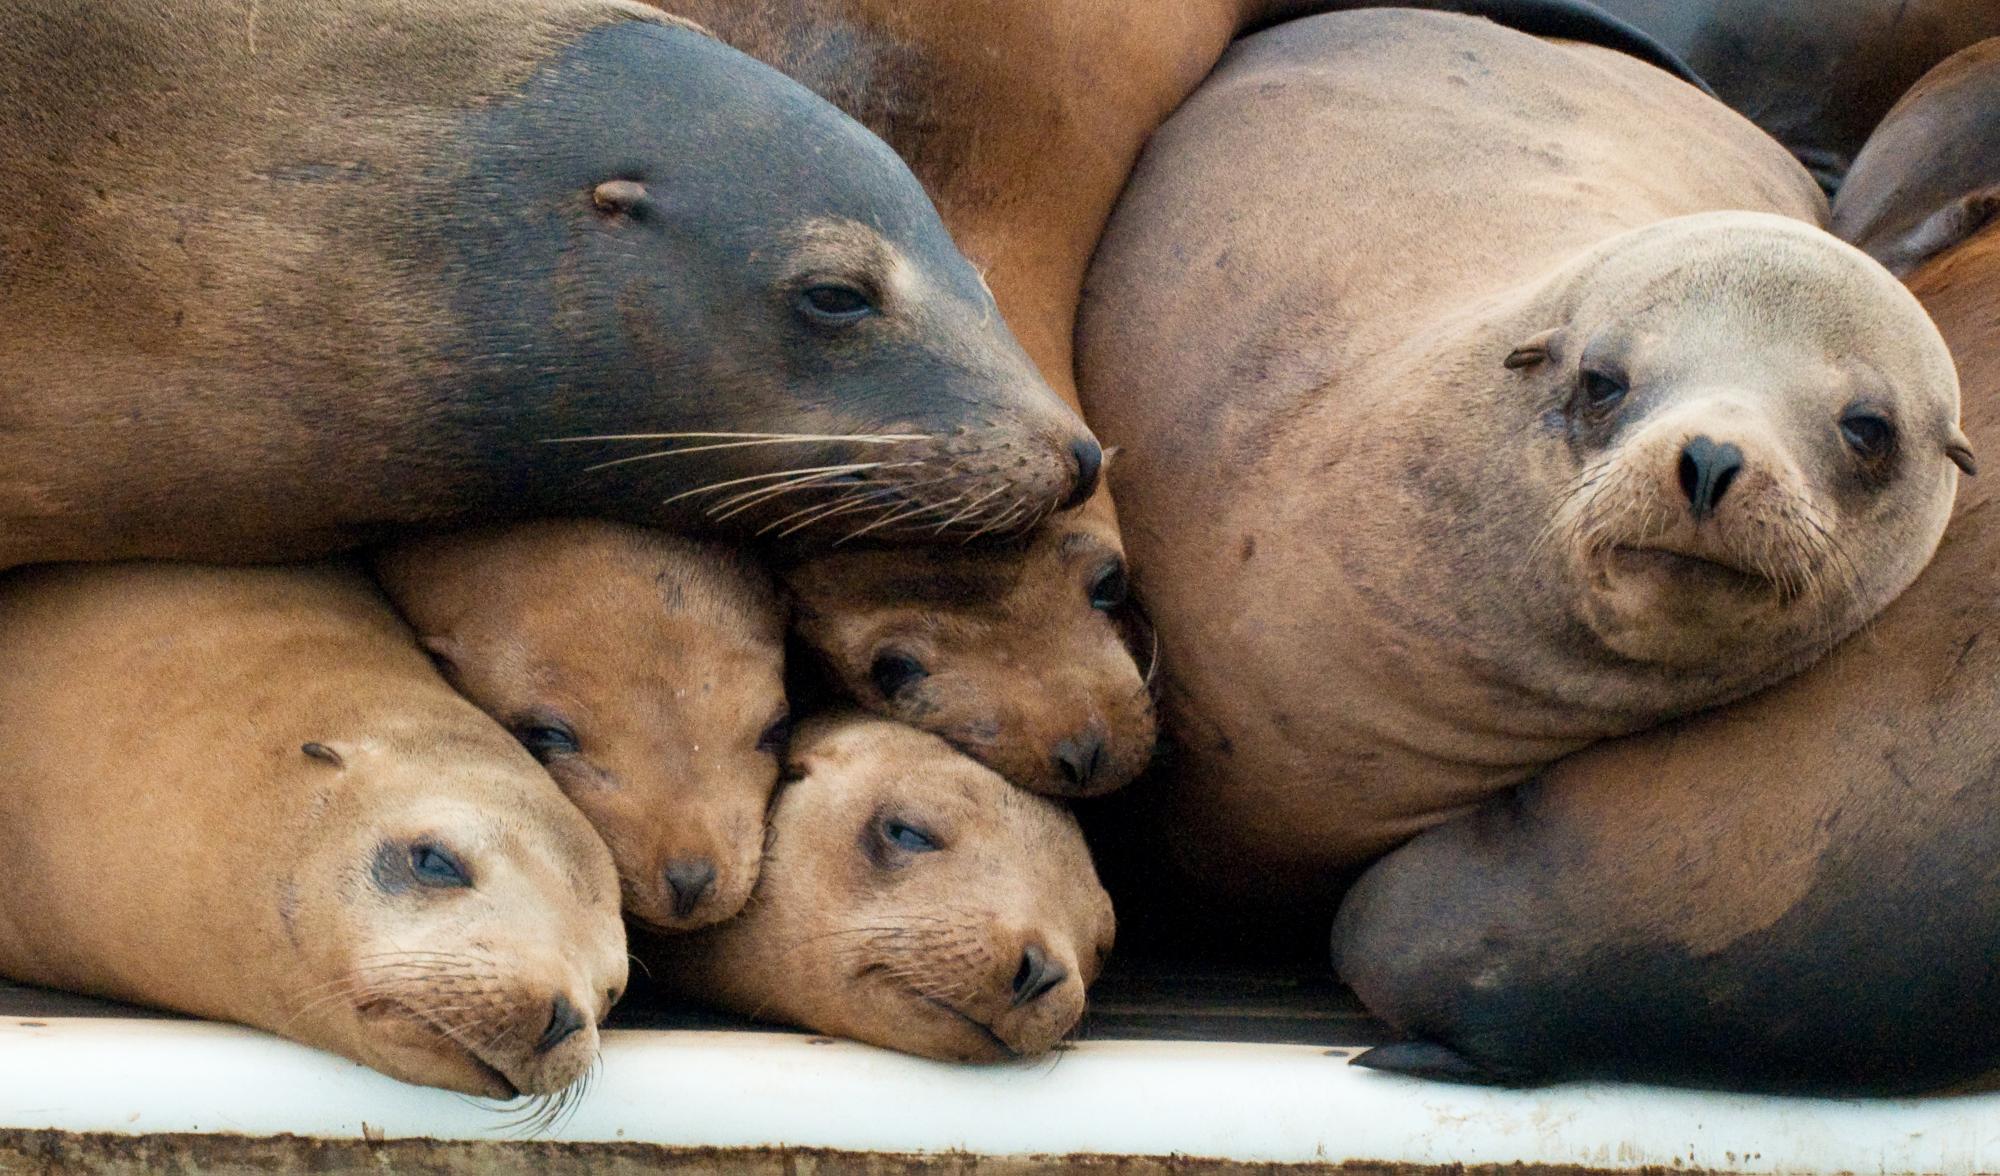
(1109, 589)
(434, 865)
(894, 672)
(835, 304)
(546, 740)
(1601, 390)
(1868, 434)
(906, 836)
(775, 736)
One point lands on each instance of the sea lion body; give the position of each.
(645, 671)
(911, 899)
(1504, 440)
(1792, 893)
(244, 794)
(282, 277)
(1818, 76)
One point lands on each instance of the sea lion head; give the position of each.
(459, 917)
(713, 234)
(1757, 440)
(910, 899)
(644, 671)
(1013, 653)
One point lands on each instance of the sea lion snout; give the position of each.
(1706, 470)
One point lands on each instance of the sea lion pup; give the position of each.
(645, 672)
(1792, 893)
(910, 899)
(244, 794)
(1482, 486)
(1818, 76)
(1014, 654)
(502, 258)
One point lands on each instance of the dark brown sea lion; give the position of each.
(244, 794)
(1817, 74)
(1023, 119)
(1420, 503)
(911, 899)
(1927, 180)
(279, 276)
(645, 671)
(1793, 893)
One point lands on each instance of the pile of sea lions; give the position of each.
(1534, 511)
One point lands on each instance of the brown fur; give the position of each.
(1395, 564)
(924, 952)
(212, 782)
(236, 319)
(1020, 671)
(663, 658)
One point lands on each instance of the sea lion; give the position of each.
(647, 674)
(1023, 119)
(1014, 654)
(1483, 485)
(1817, 76)
(910, 899)
(282, 276)
(1793, 893)
(244, 794)
(1926, 180)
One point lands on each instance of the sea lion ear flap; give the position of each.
(445, 652)
(1535, 349)
(623, 198)
(1959, 450)
(1948, 227)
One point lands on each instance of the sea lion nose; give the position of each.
(1706, 471)
(689, 881)
(1079, 758)
(564, 1023)
(1089, 463)
(1036, 975)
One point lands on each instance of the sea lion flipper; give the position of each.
(1420, 1058)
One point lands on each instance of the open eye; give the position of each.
(434, 865)
(894, 672)
(1868, 434)
(1600, 390)
(835, 303)
(910, 838)
(1109, 588)
(775, 736)
(546, 740)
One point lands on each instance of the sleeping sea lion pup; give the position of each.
(1015, 654)
(244, 794)
(503, 257)
(645, 672)
(910, 899)
(1484, 485)
(1793, 893)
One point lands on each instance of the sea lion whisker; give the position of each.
(851, 467)
(915, 511)
(760, 438)
(686, 449)
(968, 508)
(744, 500)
